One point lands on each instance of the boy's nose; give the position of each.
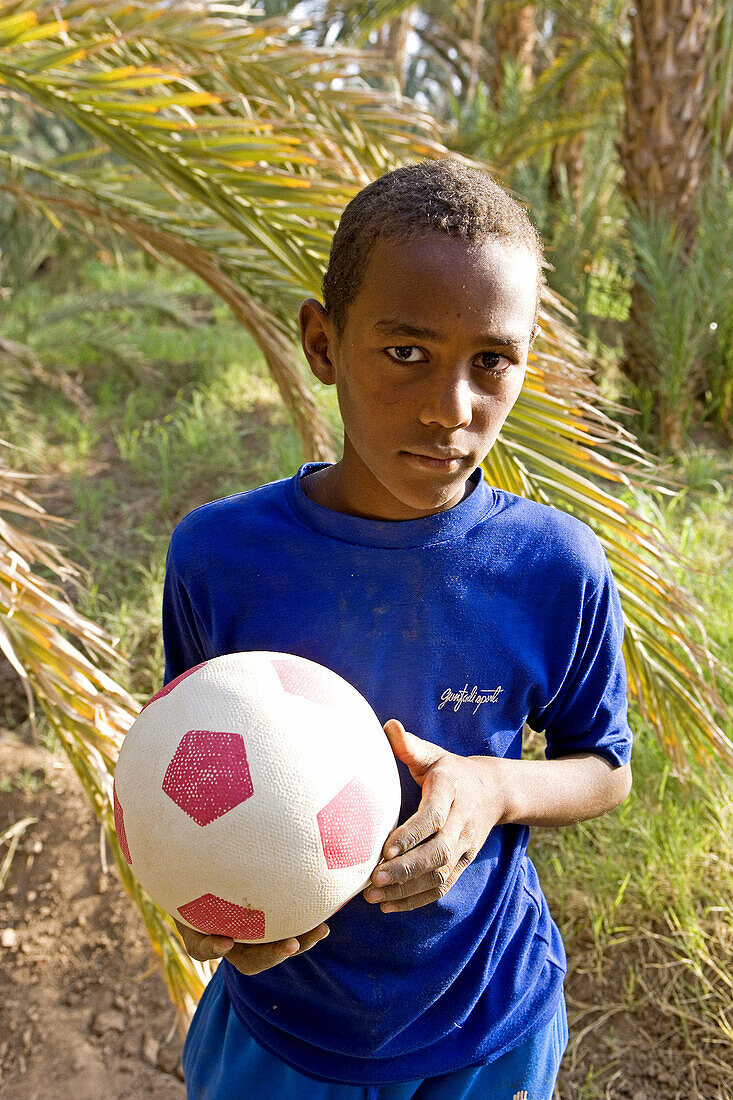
(447, 401)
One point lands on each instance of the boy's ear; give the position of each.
(535, 333)
(316, 336)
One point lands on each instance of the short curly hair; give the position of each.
(434, 196)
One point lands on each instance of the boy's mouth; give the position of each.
(448, 461)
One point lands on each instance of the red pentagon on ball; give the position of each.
(313, 683)
(219, 917)
(349, 826)
(208, 775)
(120, 826)
(173, 683)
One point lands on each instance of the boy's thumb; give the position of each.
(408, 748)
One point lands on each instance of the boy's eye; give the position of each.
(489, 361)
(406, 353)
(492, 361)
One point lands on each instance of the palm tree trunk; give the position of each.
(663, 148)
(396, 33)
(515, 33)
(664, 140)
(568, 155)
(478, 22)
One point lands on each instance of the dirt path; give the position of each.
(83, 1010)
(84, 1013)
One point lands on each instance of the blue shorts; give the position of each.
(221, 1061)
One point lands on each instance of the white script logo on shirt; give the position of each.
(475, 696)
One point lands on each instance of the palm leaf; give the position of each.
(58, 653)
(555, 447)
(278, 220)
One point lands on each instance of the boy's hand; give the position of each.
(464, 797)
(457, 811)
(247, 958)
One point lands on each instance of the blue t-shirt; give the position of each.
(464, 625)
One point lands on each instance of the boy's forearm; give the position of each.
(562, 791)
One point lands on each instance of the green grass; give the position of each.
(24, 780)
(202, 419)
(644, 895)
(195, 417)
(662, 854)
(697, 524)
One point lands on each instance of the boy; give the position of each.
(457, 609)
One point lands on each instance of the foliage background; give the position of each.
(133, 406)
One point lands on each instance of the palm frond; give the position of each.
(253, 160)
(556, 447)
(59, 653)
(356, 21)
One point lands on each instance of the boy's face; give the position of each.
(430, 362)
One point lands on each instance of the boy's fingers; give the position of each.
(252, 959)
(427, 894)
(437, 883)
(201, 947)
(438, 854)
(411, 749)
(415, 901)
(306, 940)
(248, 958)
(431, 816)
(210, 947)
(421, 884)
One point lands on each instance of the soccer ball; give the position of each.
(253, 795)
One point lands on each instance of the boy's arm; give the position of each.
(464, 797)
(563, 791)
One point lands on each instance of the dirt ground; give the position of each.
(84, 1012)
